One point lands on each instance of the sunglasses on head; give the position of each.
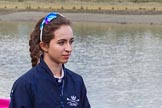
(47, 20)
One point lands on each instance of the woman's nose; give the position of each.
(68, 47)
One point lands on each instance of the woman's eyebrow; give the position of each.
(65, 39)
(62, 40)
(72, 38)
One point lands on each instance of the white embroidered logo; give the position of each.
(73, 101)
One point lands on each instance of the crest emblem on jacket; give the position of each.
(73, 101)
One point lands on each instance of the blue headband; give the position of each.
(47, 20)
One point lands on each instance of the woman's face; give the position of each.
(60, 47)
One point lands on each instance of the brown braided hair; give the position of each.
(47, 35)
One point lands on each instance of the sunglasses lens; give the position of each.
(50, 17)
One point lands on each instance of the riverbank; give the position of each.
(113, 12)
(86, 17)
(130, 8)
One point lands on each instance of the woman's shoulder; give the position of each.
(70, 72)
(26, 78)
(73, 75)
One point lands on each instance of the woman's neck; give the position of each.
(56, 68)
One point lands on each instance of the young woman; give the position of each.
(49, 84)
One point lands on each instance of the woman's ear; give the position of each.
(43, 46)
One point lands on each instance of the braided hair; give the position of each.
(47, 34)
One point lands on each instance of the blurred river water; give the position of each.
(121, 64)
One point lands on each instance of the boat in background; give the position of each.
(4, 102)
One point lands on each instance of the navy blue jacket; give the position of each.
(39, 89)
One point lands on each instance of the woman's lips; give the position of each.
(66, 56)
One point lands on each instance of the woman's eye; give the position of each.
(61, 43)
(71, 41)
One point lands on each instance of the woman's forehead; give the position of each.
(64, 32)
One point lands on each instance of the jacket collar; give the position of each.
(46, 68)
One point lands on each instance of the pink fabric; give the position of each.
(4, 103)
